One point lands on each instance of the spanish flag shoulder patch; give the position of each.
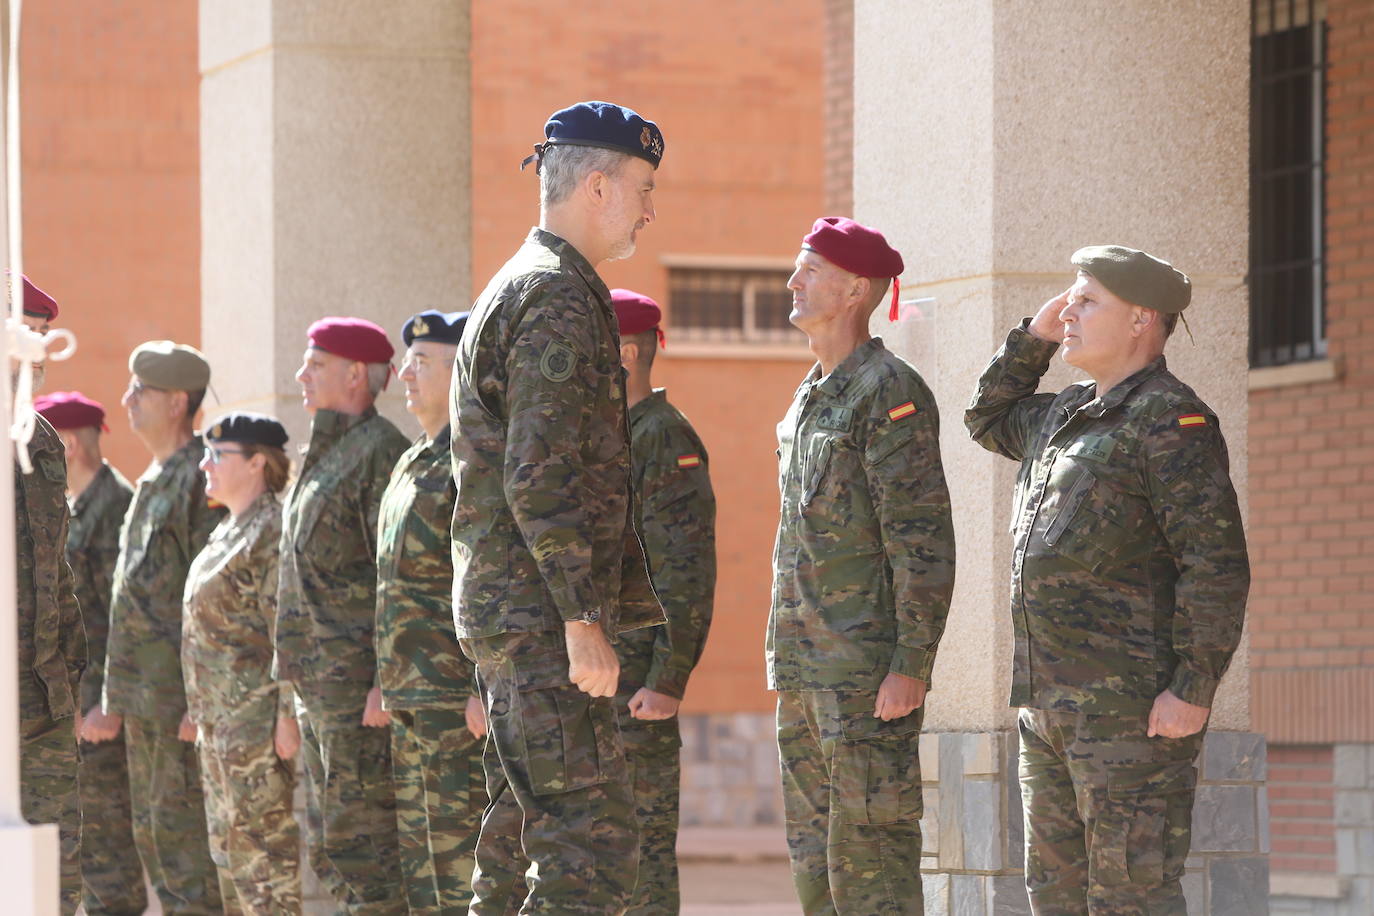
(901, 411)
(1193, 419)
(689, 461)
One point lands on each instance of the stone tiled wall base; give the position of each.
(730, 775)
(972, 857)
(1349, 892)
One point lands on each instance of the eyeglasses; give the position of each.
(137, 389)
(215, 455)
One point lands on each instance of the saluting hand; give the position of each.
(898, 696)
(592, 665)
(1046, 324)
(1171, 717)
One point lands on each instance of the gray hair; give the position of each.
(562, 168)
(376, 377)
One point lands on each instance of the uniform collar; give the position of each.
(440, 443)
(99, 481)
(834, 384)
(1122, 389)
(646, 406)
(328, 426)
(566, 252)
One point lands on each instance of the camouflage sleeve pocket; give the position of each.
(876, 775)
(569, 739)
(1142, 827)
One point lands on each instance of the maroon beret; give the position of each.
(70, 410)
(352, 338)
(636, 313)
(857, 249)
(38, 304)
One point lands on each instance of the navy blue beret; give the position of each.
(432, 324)
(247, 427)
(606, 125)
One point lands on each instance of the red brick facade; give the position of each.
(1312, 454)
(1301, 811)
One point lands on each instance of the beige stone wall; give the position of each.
(335, 180)
(991, 141)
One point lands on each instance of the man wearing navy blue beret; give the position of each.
(548, 567)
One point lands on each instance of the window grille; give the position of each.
(1287, 207)
(730, 305)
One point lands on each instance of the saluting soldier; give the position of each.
(437, 720)
(547, 565)
(677, 516)
(98, 496)
(246, 723)
(1129, 582)
(327, 610)
(52, 641)
(863, 572)
(167, 524)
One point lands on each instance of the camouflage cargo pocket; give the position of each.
(875, 776)
(1143, 829)
(569, 738)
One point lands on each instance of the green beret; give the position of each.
(1137, 277)
(164, 364)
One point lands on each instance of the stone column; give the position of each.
(335, 152)
(991, 141)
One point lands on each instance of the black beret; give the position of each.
(249, 428)
(1137, 277)
(432, 324)
(607, 125)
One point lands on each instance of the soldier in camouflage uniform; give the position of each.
(863, 571)
(677, 515)
(52, 641)
(166, 526)
(547, 565)
(1129, 581)
(98, 496)
(427, 683)
(246, 720)
(327, 610)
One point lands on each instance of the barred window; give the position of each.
(731, 305)
(1287, 210)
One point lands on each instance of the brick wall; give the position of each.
(1312, 454)
(1302, 826)
(838, 63)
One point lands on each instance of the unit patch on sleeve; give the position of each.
(1193, 419)
(689, 461)
(901, 411)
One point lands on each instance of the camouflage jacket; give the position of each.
(1129, 569)
(167, 524)
(419, 663)
(863, 569)
(52, 640)
(92, 550)
(229, 613)
(543, 529)
(327, 601)
(677, 513)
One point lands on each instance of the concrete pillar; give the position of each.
(335, 152)
(992, 140)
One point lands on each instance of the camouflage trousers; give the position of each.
(254, 839)
(111, 874)
(169, 817)
(48, 794)
(1108, 814)
(350, 801)
(559, 785)
(851, 790)
(653, 750)
(440, 794)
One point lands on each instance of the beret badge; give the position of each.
(420, 328)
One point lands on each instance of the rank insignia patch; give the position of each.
(1192, 419)
(689, 461)
(901, 411)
